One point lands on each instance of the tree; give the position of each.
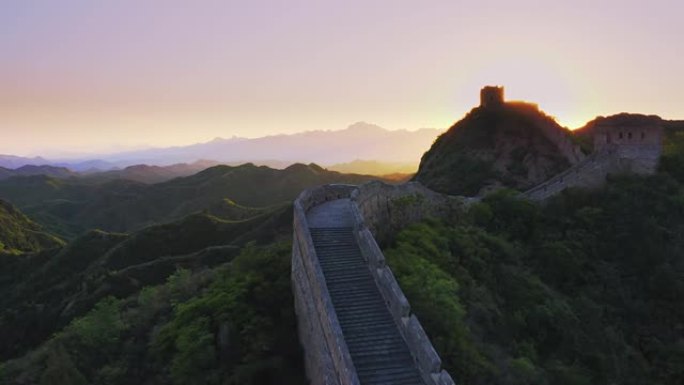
(60, 369)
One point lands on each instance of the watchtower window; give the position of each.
(643, 135)
(629, 135)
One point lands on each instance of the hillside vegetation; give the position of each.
(493, 147)
(69, 207)
(63, 283)
(197, 293)
(113, 308)
(588, 289)
(188, 281)
(20, 234)
(233, 324)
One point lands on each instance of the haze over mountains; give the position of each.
(360, 141)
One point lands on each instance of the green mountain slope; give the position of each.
(43, 292)
(587, 289)
(513, 145)
(18, 233)
(233, 324)
(69, 207)
(29, 170)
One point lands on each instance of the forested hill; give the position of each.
(196, 301)
(513, 145)
(184, 282)
(586, 289)
(70, 206)
(20, 234)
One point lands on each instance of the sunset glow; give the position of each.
(84, 76)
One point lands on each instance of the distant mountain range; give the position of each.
(69, 206)
(138, 173)
(12, 162)
(360, 141)
(30, 170)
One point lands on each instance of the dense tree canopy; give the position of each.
(230, 325)
(588, 289)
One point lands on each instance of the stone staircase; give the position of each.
(379, 353)
(354, 322)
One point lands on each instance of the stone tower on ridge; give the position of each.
(491, 96)
(634, 141)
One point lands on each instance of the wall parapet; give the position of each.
(427, 360)
(592, 172)
(386, 209)
(328, 363)
(628, 144)
(379, 204)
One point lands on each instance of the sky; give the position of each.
(83, 76)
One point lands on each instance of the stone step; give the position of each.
(378, 351)
(365, 325)
(380, 338)
(407, 375)
(342, 266)
(341, 292)
(364, 315)
(358, 301)
(392, 360)
(349, 279)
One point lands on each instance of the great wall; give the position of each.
(623, 144)
(354, 321)
(355, 324)
(618, 149)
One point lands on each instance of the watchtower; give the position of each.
(634, 140)
(491, 96)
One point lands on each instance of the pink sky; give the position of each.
(93, 75)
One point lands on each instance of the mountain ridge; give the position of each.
(359, 140)
(512, 144)
(18, 233)
(69, 206)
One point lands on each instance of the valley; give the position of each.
(112, 280)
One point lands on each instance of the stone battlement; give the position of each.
(327, 355)
(637, 145)
(629, 147)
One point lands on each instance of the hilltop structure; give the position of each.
(498, 143)
(622, 144)
(514, 144)
(634, 141)
(491, 96)
(355, 324)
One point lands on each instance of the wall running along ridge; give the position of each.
(381, 210)
(377, 208)
(326, 355)
(618, 150)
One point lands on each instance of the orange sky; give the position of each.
(84, 76)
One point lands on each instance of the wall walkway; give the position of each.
(355, 323)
